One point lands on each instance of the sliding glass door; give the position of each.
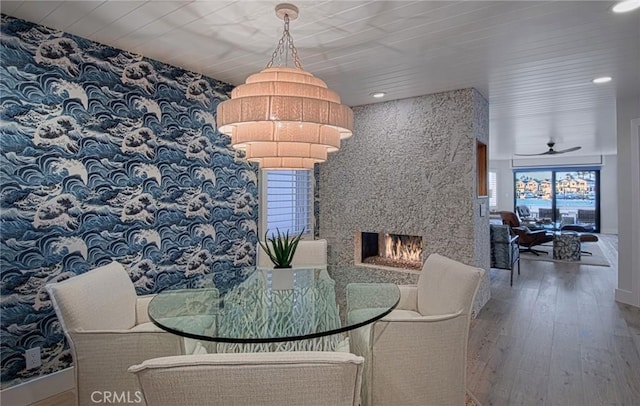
(561, 196)
(533, 189)
(576, 201)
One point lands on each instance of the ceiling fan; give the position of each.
(552, 151)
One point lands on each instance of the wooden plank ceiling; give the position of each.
(534, 61)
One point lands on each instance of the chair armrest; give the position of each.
(363, 339)
(408, 336)
(102, 358)
(370, 295)
(421, 319)
(514, 239)
(398, 347)
(142, 305)
(538, 232)
(408, 298)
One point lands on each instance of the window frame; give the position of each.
(553, 170)
(263, 213)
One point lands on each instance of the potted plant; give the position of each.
(280, 248)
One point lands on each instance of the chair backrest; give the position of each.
(586, 216)
(101, 299)
(500, 233)
(523, 212)
(266, 379)
(446, 286)
(503, 249)
(509, 218)
(549, 213)
(311, 253)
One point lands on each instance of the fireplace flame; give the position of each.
(402, 248)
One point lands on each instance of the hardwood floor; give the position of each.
(557, 337)
(63, 399)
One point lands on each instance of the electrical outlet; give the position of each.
(32, 357)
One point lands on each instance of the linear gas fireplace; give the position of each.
(389, 250)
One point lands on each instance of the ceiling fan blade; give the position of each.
(551, 151)
(562, 151)
(542, 153)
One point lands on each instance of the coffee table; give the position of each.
(566, 246)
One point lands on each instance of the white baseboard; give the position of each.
(627, 297)
(39, 388)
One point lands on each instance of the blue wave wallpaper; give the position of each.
(107, 155)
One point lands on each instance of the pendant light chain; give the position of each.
(284, 45)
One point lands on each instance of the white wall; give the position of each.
(609, 195)
(504, 183)
(608, 185)
(628, 264)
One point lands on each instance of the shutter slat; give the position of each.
(289, 201)
(493, 195)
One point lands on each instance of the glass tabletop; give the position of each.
(269, 306)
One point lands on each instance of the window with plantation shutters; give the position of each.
(289, 201)
(493, 184)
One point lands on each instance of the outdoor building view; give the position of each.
(559, 196)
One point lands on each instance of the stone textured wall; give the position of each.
(409, 169)
(482, 247)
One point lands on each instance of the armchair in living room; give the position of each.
(505, 252)
(526, 237)
(524, 213)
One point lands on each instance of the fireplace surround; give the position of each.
(409, 169)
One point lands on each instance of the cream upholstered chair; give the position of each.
(312, 253)
(108, 330)
(416, 355)
(315, 378)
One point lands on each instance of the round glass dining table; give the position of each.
(295, 306)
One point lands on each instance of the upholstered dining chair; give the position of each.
(108, 330)
(312, 253)
(313, 378)
(417, 354)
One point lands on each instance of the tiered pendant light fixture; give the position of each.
(284, 117)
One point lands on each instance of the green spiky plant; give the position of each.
(282, 248)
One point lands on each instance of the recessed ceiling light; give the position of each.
(625, 6)
(378, 95)
(603, 79)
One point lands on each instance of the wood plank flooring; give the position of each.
(67, 398)
(557, 337)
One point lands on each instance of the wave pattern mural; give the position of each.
(107, 155)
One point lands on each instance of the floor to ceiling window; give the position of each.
(560, 195)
